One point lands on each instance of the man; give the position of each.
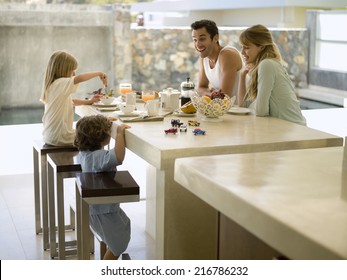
(219, 66)
(140, 21)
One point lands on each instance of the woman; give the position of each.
(269, 90)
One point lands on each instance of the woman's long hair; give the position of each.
(258, 35)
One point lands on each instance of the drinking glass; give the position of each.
(148, 95)
(125, 88)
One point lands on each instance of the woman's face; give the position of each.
(250, 52)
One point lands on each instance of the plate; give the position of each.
(101, 105)
(182, 114)
(132, 114)
(108, 109)
(239, 111)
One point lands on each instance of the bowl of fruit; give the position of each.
(214, 106)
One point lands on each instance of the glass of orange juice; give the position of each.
(148, 95)
(125, 88)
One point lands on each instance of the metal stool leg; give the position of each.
(59, 188)
(44, 194)
(37, 199)
(52, 231)
(78, 223)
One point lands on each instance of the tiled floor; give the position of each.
(17, 232)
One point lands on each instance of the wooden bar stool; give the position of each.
(100, 188)
(60, 166)
(40, 151)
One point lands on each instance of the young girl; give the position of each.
(269, 91)
(60, 82)
(109, 220)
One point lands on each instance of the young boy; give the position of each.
(108, 220)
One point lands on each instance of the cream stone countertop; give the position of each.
(234, 134)
(167, 202)
(331, 120)
(292, 200)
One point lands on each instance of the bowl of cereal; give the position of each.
(214, 106)
(107, 100)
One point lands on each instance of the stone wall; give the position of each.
(30, 33)
(101, 39)
(165, 57)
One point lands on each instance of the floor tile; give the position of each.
(2, 201)
(23, 218)
(11, 246)
(6, 221)
(32, 245)
(18, 240)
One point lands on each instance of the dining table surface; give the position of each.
(330, 120)
(295, 201)
(168, 204)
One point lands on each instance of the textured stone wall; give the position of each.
(29, 34)
(101, 39)
(165, 57)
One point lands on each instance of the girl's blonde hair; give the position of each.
(258, 35)
(61, 64)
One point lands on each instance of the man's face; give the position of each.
(203, 42)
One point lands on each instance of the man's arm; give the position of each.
(230, 63)
(203, 83)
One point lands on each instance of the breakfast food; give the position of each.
(217, 94)
(188, 108)
(213, 106)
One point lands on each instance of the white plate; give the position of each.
(132, 114)
(182, 114)
(102, 105)
(239, 111)
(107, 109)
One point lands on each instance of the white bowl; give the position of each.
(127, 109)
(107, 100)
(212, 108)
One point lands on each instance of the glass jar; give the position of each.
(187, 90)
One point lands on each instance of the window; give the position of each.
(331, 41)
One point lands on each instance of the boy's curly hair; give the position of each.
(91, 132)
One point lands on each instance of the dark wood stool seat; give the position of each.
(40, 151)
(100, 188)
(60, 166)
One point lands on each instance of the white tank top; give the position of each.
(214, 74)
